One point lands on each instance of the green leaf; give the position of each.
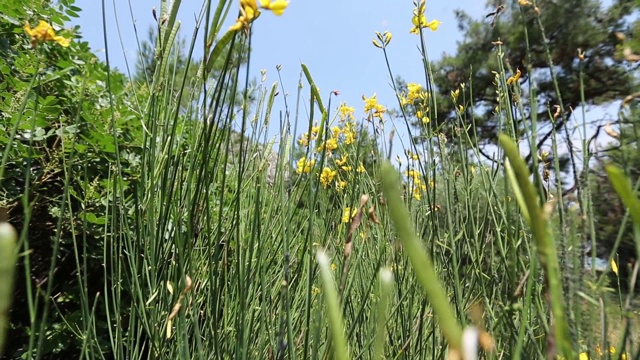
(622, 185)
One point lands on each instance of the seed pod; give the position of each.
(8, 238)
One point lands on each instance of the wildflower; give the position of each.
(420, 115)
(342, 160)
(315, 290)
(514, 78)
(420, 21)
(371, 104)
(412, 156)
(333, 267)
(348, 214)
(524, 2)
(336, 131)
(304, 165)
(277, 7)
(249, 11)
(44, 32)
(341, 185)
(414, 92)
(326, 177)
(349, 132)
(361, 168)
(614, 266)
(330, 144)
(315, 130)
(346, 168)
(304, 140)
(346, 112)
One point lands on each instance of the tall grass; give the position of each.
(223, 250)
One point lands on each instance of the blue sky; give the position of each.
(333, 38)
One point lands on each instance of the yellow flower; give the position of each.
(412, 174)
(349, 132)
(371, 105)
(524, 2)
(315, 290)
(346, 112)
(415, 92)
(304, 165)
(304, 140)
(326, 177)
(249, 11)
(330, 144)
(614, 268)
(583, 356)
(44, 32)
(348, 214)
(342, 160)
(420, 21)
(346, 168)
(514, 78)
(361, 168)
(277, 7)
(315, 130)
(342, 185)
(336, 131)
(412, 156)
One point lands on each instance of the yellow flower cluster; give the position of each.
(44, 32)
(305, 166)
(585, 355)
(416, 184)
(419, 99)
(335, 144)
(419, 20)
(249, 11)
(372, 107)
(346, 112)
(327, 176)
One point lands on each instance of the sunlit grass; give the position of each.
(325, 241)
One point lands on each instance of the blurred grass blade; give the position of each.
(623, 187)
(547, 255)
(220, 46)
(386, 290)
(336, 323)
(516, 190)
(315, 95)
(8, 238)
(419, 258)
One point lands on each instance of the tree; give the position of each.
(570, 27)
